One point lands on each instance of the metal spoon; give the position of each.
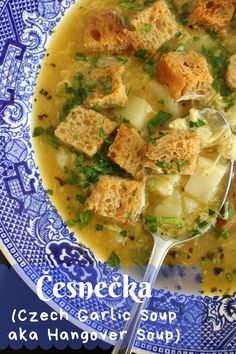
(160, 249)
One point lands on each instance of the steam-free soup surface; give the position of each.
(214, 254)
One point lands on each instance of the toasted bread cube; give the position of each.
(117, 198)
(109, 90)
(85, 130)
(128, 151)
(153, 27)
(176, 151)
(104, 33)
(186, 74)
(231, 72)
(212, 14)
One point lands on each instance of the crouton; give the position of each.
(231, 72)
(85, 130)
(128, 151)
(212, 14)
(104, 33)
(152, 27)
(175, 151)
(117, 198)
(109, 88)
(186, 74)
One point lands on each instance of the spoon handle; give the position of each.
(160, 249)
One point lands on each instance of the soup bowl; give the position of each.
(37, 242)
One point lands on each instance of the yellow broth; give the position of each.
(214, 256)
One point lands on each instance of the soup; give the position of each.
(71, 75)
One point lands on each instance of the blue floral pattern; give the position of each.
(32, 231)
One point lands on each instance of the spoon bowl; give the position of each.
(161, 246)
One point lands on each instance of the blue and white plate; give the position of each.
(33, 235)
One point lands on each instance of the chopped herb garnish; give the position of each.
(185, 7)
(177, 222)
(181, 164)
(114, 260)
(80, 56)
(219, 59)
(49, 133)
(141, 54)
(164, 49)
(165, 166)
(124, 233)
(196, 124)
(229, 277)
(159, 119)
(94, 61)
(80, 198)
(196, 38)
(194, 233)
(99, 227)
(50, 191)
(161, 102)
(122, 60)
(147, 28)
(101, 133)
(201, 223)
(38, 131)
(223, 234)
(211, 212)
(152, 223)
(148, 65)
(84, 218)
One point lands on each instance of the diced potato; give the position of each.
(160, 92)
(171, 206)
(204, 187)
(189, 205)
(136, 111)
(204, 166)
(163, 186)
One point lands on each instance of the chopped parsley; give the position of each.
(147, 28)
(196, 124)
(82, 218)
(99, 227)
(223, 234)
(177, 222)
(219, 59)
(181, 164)
(229, 277)
(211, 212)
(196, 38)
(80, 56)
(113, 260)
(122, 60)
(148, 65)
(101, 133)
(49, 133)
(161, 102)
(152, 223)
(194, 233)
(80, 198)
(165, 166)
(124, 233)
(159, 119)
(38, 131)
(50, 191)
